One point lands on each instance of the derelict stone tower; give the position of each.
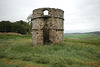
(47, 28)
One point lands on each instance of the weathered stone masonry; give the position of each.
(47, 28)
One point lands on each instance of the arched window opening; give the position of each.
(46, 12)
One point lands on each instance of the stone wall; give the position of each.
(47, 28)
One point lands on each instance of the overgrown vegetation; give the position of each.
(18, 51)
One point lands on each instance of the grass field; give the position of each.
(77, 50)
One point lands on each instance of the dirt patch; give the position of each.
(1, 44)
(10, 33)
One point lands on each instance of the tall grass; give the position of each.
(8, 65)
(93, 42)
(71, 53)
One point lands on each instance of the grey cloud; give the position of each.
(84, 13)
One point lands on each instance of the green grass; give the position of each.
(79, 36)
(18, 51)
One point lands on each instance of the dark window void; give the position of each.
(45, 32)
(46, 36)
(46, 12)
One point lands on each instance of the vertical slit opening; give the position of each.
(45, 32)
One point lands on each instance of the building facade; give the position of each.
(47, 26)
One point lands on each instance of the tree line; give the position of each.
(21, 27)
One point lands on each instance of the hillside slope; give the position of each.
(18, 51)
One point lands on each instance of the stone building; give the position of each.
(47, 26)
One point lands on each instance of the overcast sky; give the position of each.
(79, 15)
